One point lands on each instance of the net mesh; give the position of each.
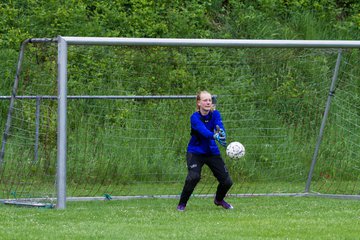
(271, 100)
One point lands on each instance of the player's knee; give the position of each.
(228, 182)
(193, 177)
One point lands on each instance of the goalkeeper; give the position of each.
(206, 129)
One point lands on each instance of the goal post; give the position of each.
(323, 122)
(133, 98)
(62, 132)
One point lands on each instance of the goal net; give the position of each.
(128, 110)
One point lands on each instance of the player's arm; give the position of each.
(200, 127)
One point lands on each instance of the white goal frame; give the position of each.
(63, 42)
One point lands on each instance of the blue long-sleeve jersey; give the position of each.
(202, 132)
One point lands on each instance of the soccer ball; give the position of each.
(235, 150)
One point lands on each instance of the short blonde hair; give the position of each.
(198, 98)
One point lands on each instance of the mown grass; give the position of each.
(252, 218)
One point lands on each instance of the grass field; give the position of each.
(251, 218)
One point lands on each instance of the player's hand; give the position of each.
(220, 130)
(222, 133)
(220, 139)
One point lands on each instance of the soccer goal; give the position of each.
(108, 118)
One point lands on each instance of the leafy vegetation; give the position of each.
(177, 71)
(259, 19)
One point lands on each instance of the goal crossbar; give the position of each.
(255, 43)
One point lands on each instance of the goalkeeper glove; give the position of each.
(220, 136)
(222, 133)
(220, 139)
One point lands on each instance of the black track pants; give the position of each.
(217, 166)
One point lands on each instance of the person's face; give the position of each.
(205, 102)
